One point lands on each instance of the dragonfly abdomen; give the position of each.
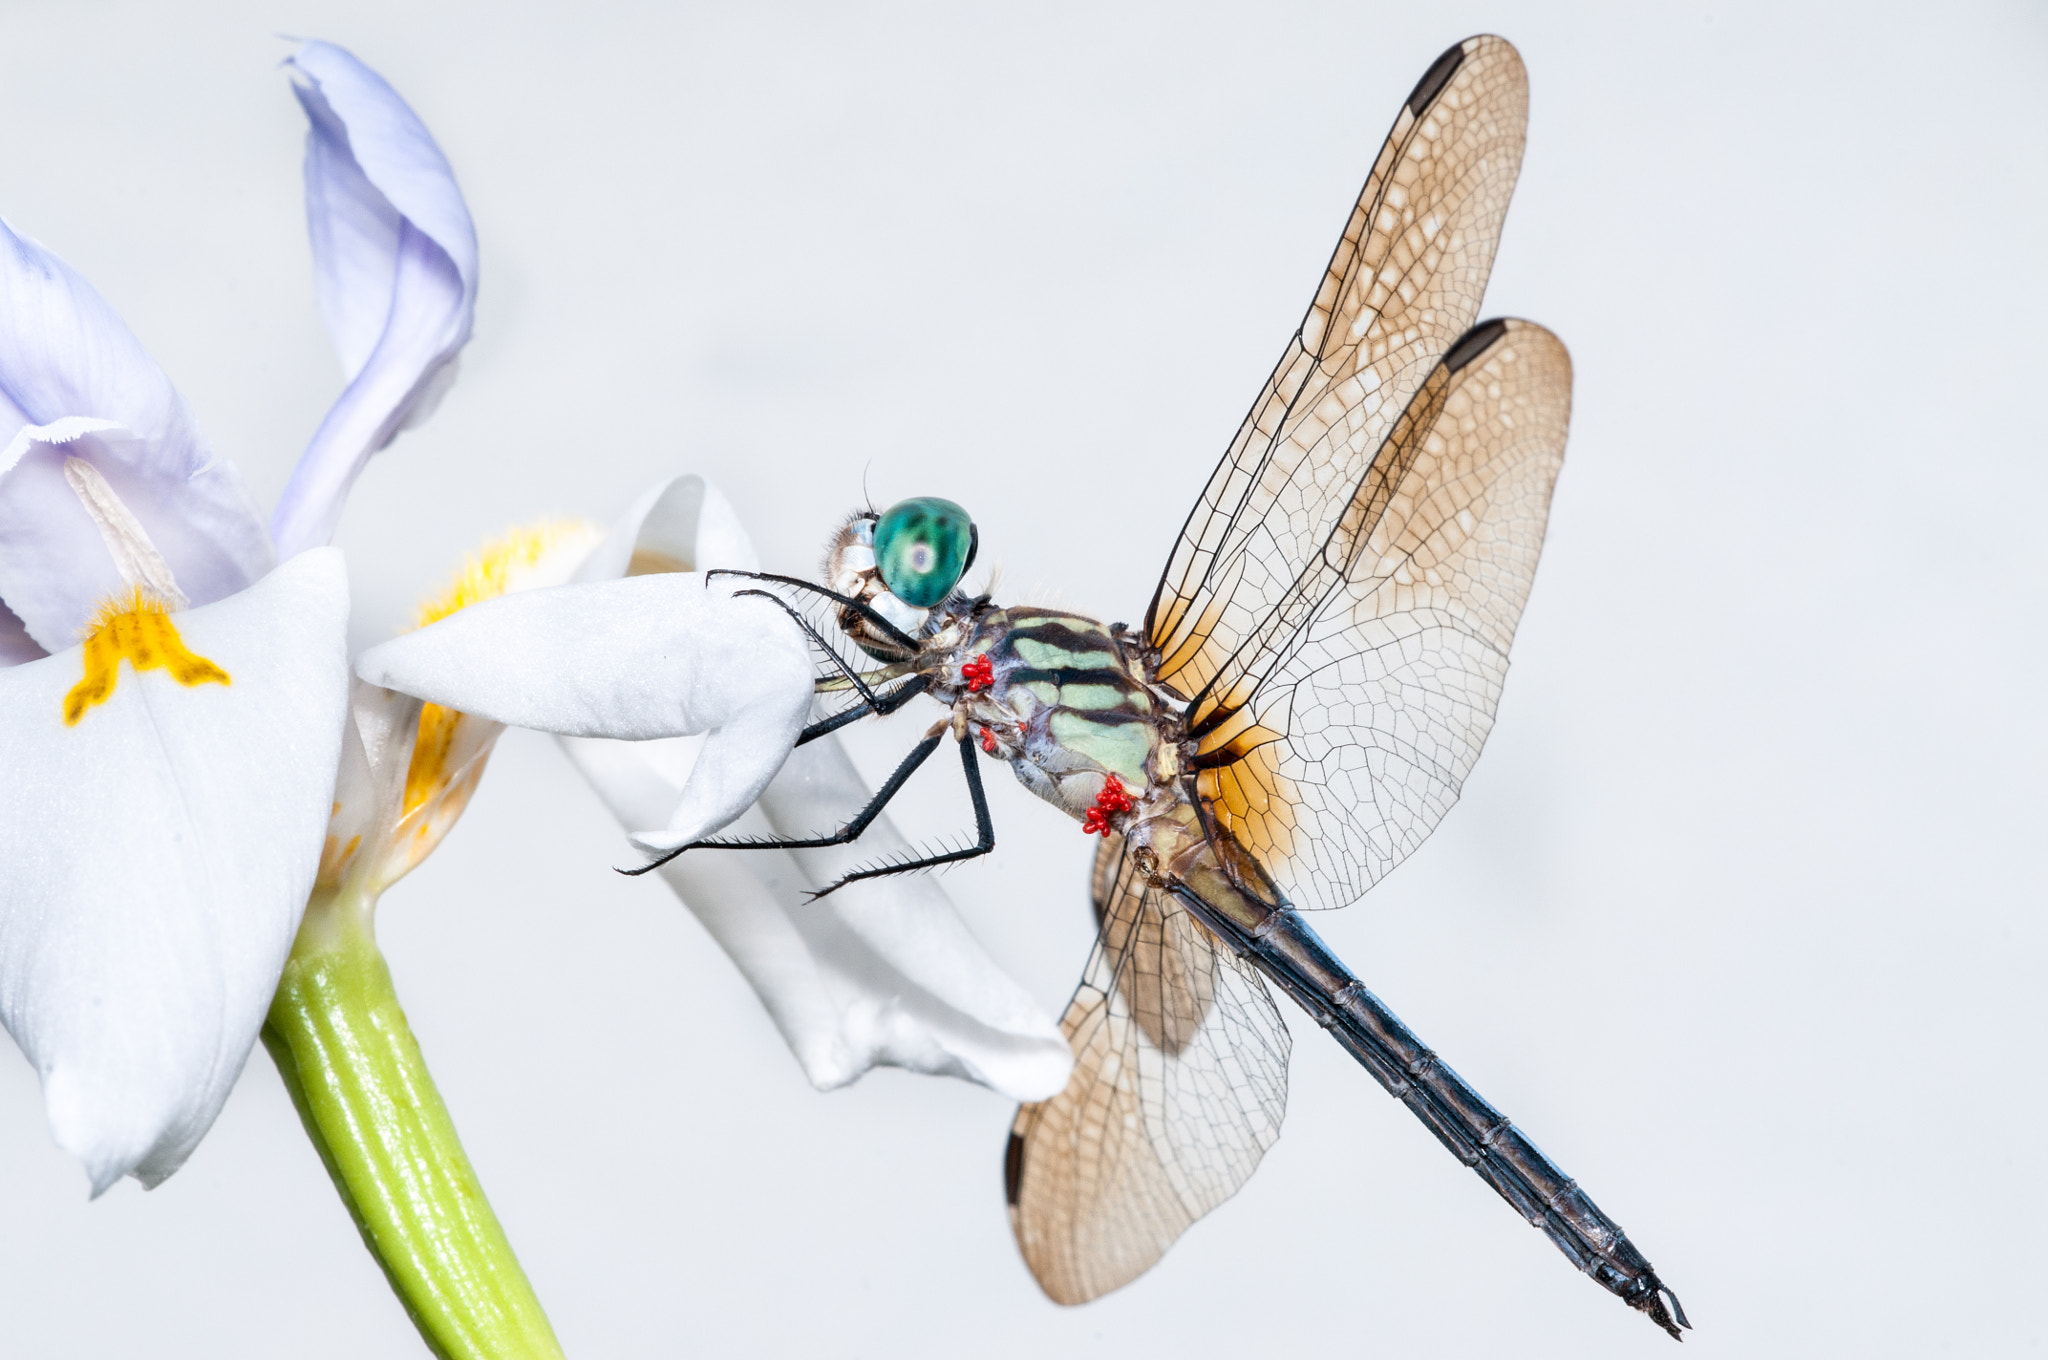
(1283, 947)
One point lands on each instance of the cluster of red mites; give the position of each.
(1111, 799)
(980, 674)
(988, 741)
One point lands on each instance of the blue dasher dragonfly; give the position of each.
(1312, 682)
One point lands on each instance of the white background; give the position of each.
(1741, 917)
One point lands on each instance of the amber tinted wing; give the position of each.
(1405, 282)
(1335, 745)
(1105, 1176)
(1166, 989)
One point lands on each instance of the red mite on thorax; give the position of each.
(988, 741)
(1111, 799)
(979, 674)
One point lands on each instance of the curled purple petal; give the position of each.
(395, 266)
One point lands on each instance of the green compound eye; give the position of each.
(922, 546)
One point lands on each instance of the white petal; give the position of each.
(395, 265)
(683, 524)
(75, 382)
(882, 973)
(650, 656)
(155, 859)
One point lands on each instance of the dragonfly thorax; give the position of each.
(1067, 702)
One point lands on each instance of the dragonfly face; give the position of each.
(893, 568)
(1313, 680)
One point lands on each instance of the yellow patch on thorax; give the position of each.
(139, 628)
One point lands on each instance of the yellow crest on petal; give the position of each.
(540, 554)
(504, 564)
(136, 626)
(449, 748)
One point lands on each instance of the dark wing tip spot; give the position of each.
(1436, 77)
(1474, 343)
(1013, 1168)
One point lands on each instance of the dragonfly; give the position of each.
(1312, 683)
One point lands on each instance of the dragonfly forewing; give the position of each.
(1335, 746)
(1404, 283)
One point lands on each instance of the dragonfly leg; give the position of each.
(889, 630)
(881, 706)
(853, 677)
(851, 831)
(1286, 950)
(985, 841)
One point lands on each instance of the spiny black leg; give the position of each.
(879, 704)
(860, 820)
(867, 695)
(889, 630)
(851, 831)
(883, 705)
(982, 846)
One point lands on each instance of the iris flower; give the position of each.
(338, 1034)
(680, 701)
(175, 679)
(408, 769)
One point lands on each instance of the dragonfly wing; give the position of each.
(1405, 282)
(1335, 744)
(1180, 1081)
(1165, 987)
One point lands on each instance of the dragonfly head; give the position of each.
(901, 563)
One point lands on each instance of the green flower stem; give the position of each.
(356, 1076)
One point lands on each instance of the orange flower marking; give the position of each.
(450, 747)
(138, 627)
(500, 566)
(429, 769)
